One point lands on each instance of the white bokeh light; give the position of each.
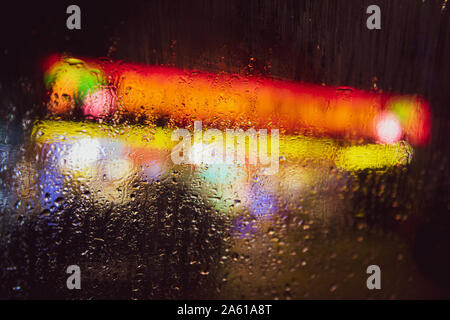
(83, 153)
(388, 128)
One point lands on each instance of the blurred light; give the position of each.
(51, 182)
(262, 203)
(83, 153)
(388, 128)
(70, 80)
(229, 100)
(99, 103)
(153, 170)
(158, 144)
(222, 173)
(374, 156)
(414, 117)
(243, 228)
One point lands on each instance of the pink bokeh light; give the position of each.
(99, 104)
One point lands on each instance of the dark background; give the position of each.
(317, 41)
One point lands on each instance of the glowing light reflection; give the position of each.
(226, 100)
(388, 128)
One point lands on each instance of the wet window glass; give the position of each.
(225, 150)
